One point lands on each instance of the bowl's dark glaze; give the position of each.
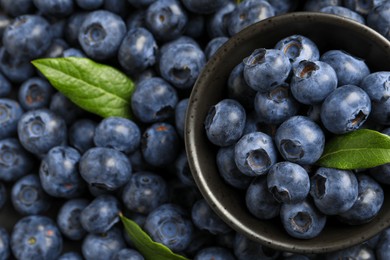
(329, 32)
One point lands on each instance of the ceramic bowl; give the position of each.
(328, 32)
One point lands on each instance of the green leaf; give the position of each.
(97, 88)
(359, 149)
(145, 245)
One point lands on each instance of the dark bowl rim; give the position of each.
(193, 157)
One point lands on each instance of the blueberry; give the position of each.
(166, 19)
(266, 69)
(380, 112)
(105, 168)
(68, 218)
(72, 27)
(3, 197)
(377, 85)
(215, 253)
(300, 140)
(28, 36)
(275, 106)
(302, 220)
(40, 130)
(101, 34)
(126, 254)
(28, 196)
(284, 6)
(15, 161)
(180, 116)
(344, 12)
(255, 153)
(204, 6)
(228, 169)
(182, 170)
(350, 70)
(5, 86)
(56, 8)
(334, 191)
(297, 48)
(59, 172)
(72, 52)
(345, 109)
(154, 100)
(247, 13)
(225, 122)
(170, 225)
(15, 69)
(382, 249)
(17, 7)
(369, 202)
(5, 251)
(160, 144)
(315, 5)
(213, 46)
(362, 7)
(245, 248)
(101, 214)
(312, 81)
(36, 237)
(10, 113)
(137, 51)
(238, 88)
(205, 218)
(137, 161)
(81, 134)
(144, 192)
(118, 133)
(72, 255)
(35, 93)
(217, 25)
(62, 106)
(181, 64)
(102, 246)
(360, 251)
(89, 4)
(379, 18)
(259, 201)
(288, 182)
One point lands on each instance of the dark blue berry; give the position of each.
(344, 12)
(68, 218)
(217, 25)
(10, 113)
(89, 4)
(5, 86)
(5, 251)
(81, 134)
(204, 6)
(28, 196)
(101, 214)
(15, 68)
(213, 46)
(180, 116)
(56, 8)
(127, 254)
(215, 253)
(378, 18)
(35, 93)
(118, 133)
(245, 248)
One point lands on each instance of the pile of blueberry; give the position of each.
(66, 174)
(299, 99)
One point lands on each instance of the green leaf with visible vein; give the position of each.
(97, 88)
(359, 149)
(145, 245)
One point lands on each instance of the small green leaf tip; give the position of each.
(359, 149)
(145, 245)
(96, 88)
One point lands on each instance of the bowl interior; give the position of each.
(328, 32)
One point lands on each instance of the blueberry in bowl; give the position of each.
(300, 140)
